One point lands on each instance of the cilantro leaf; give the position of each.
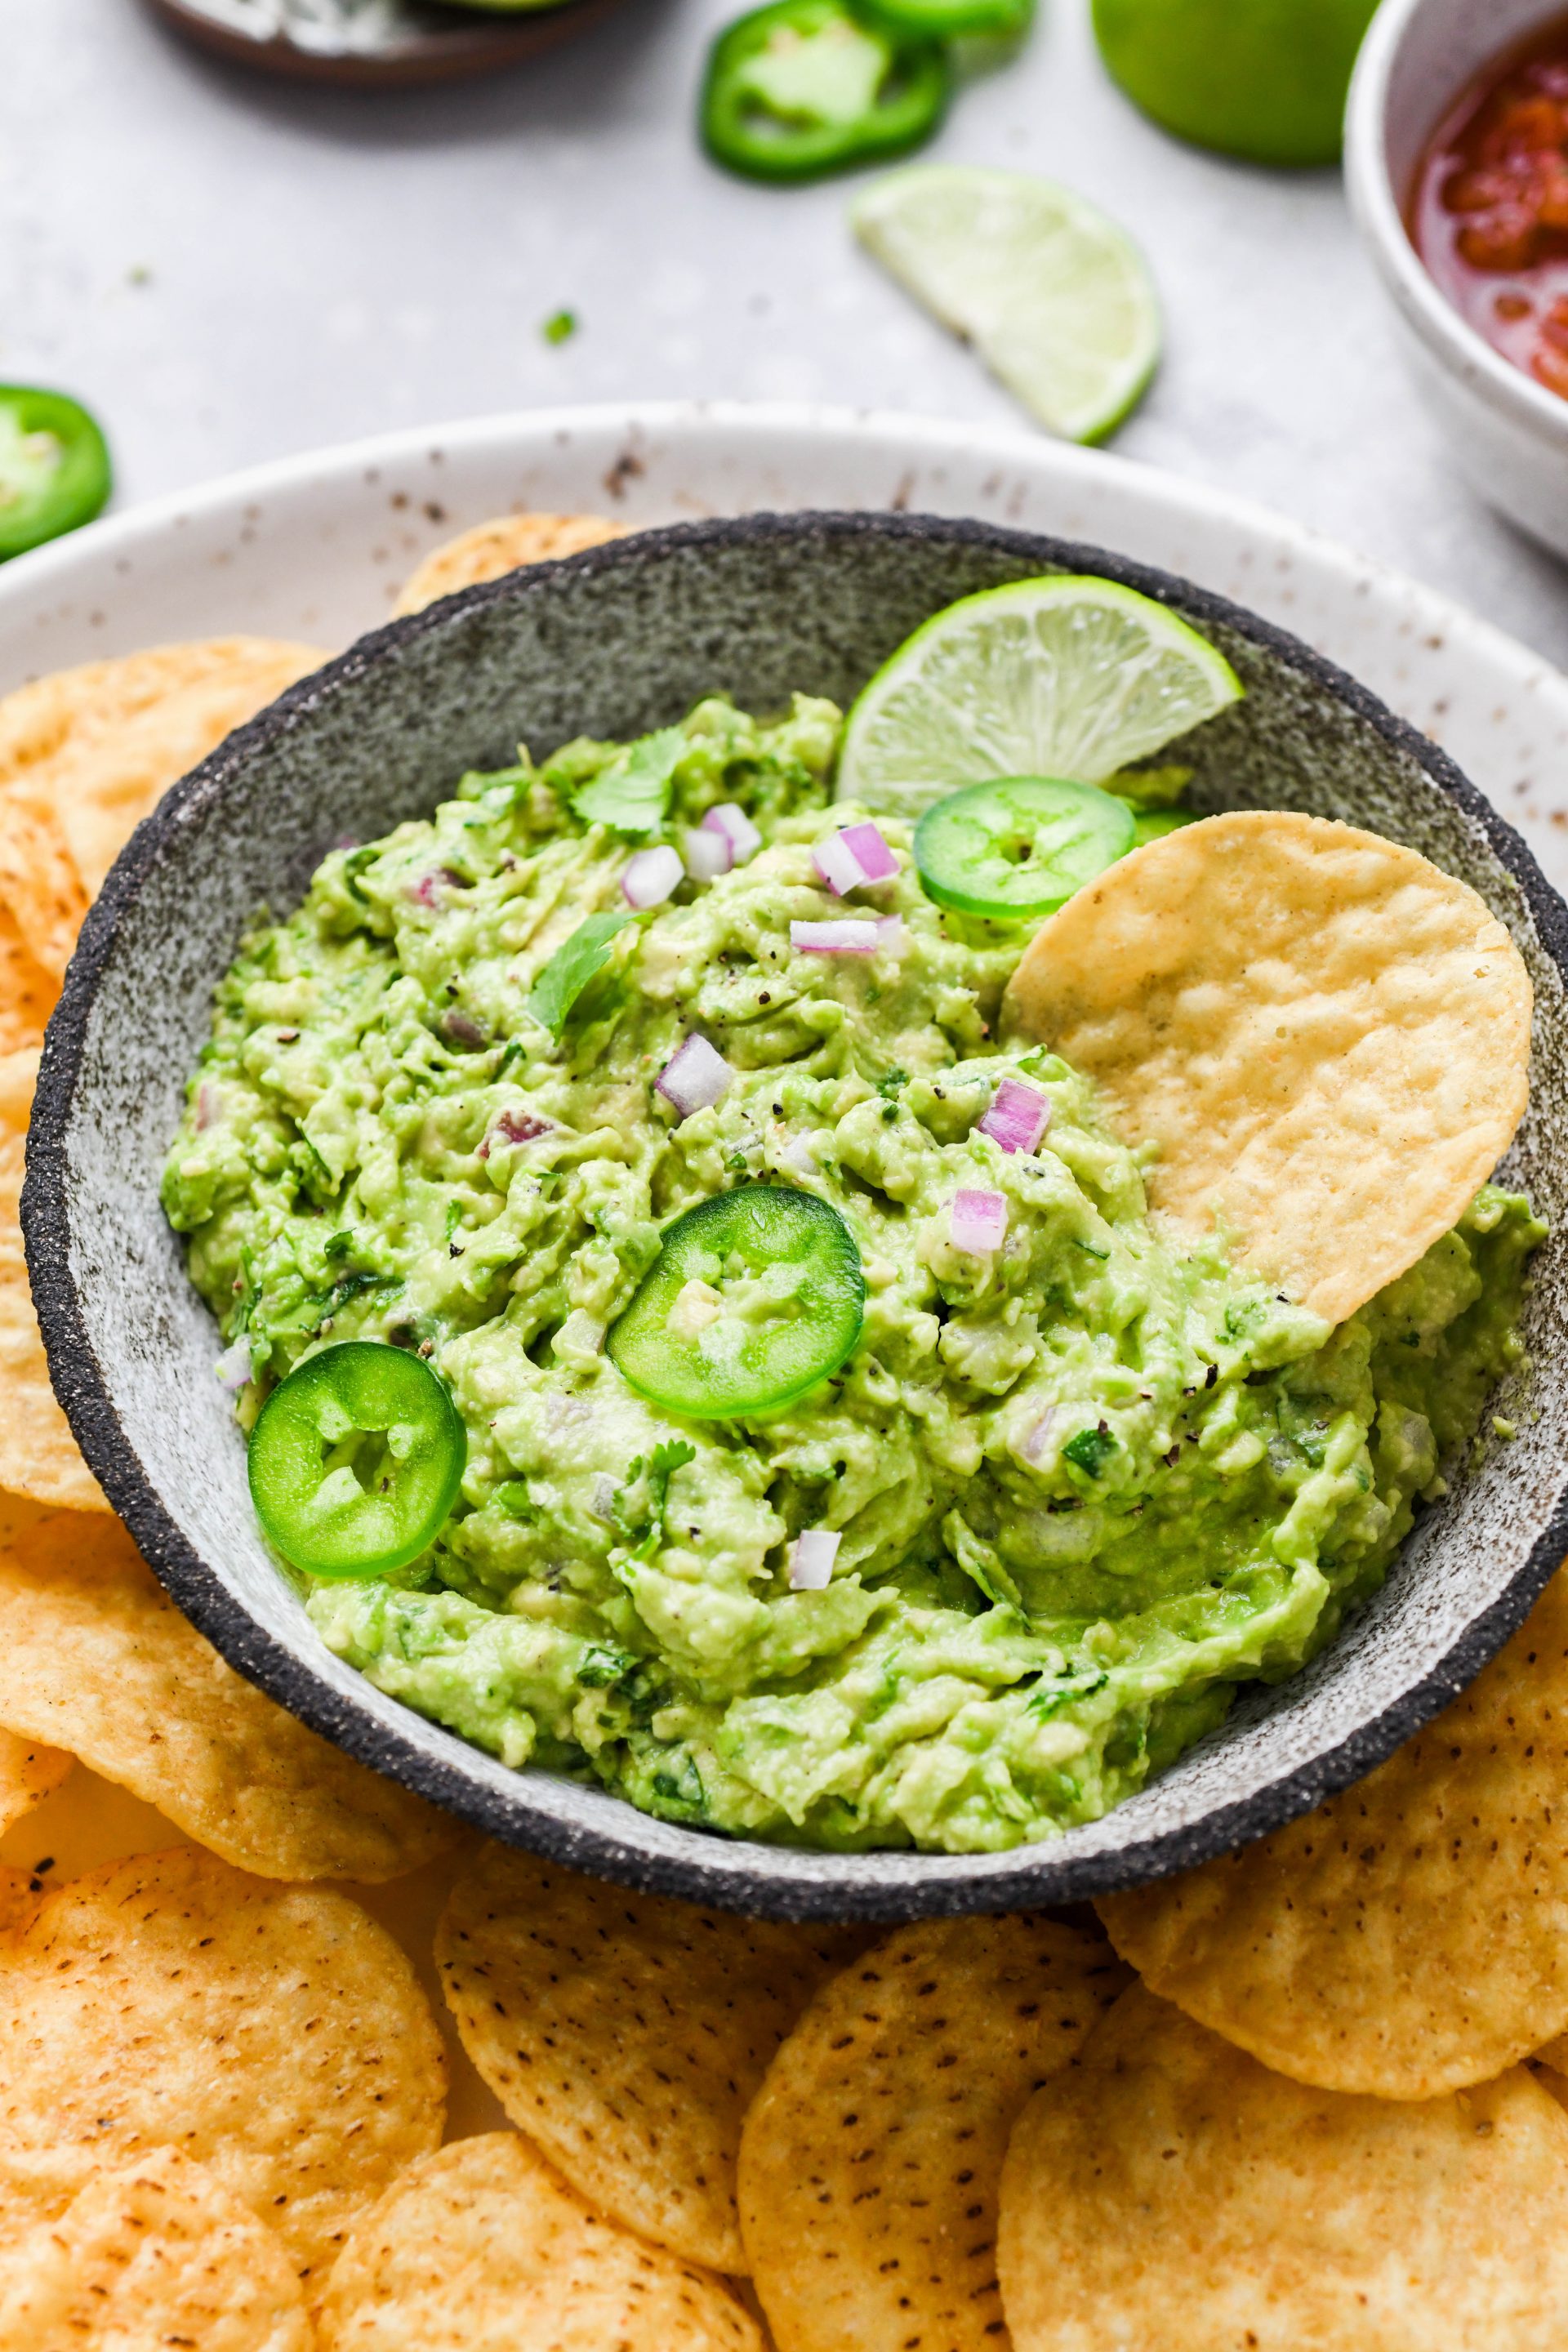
(1090, 1450)
(643, 1530)
(632, 793)
(572, 967)
(663, 1464)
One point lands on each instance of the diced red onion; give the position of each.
(515, 1126)
(730, 820)
(605, 1491)
(799, 1158)
(1018, 1116)
(869, 851)
(651, 875)
(890, 932)
(838, 865)
(707, 852)
(461, 1030)
(234, 1365)
(695, 1077)
(979, 1221)
(851, 859)
(1039, 1437)
(209, 1106)
(844, 936)
(426, 891)
(811, 1559)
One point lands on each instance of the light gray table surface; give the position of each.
(229, 269)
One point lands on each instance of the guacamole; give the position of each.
(1085, 1482)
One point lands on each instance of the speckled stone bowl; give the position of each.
(610, 642)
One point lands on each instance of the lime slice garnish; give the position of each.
(1060, 677)
(1055, 298)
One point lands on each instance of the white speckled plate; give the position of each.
(374, 44)
(314, 547)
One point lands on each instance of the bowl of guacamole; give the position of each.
(794, 1485)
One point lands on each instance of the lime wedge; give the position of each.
(1060, 677)
(1055, 298)
(1267, 81)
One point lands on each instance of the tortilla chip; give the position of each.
(1328, 1039)
(40, 887)
(492, 548)
(110, 777)
(86, 753)
(1410, 1936)
(27, 993)
(872, 2154)
(277, 2034)
(28, 1772)
(131, 2257)
(628, 2033)
(18, 1081)
(95, 1657)
(485, 2249)
(1169, 2193)
(40, 720)
(38, 1456)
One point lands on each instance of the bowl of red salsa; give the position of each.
(1456, 153)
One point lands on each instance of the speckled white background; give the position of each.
(230, 269)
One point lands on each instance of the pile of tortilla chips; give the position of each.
(1306, 2097)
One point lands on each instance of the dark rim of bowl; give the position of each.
(712, 1868)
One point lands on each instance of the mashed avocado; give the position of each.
(1085, 1484)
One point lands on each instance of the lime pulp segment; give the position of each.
(1056, 677)
(1054, 296)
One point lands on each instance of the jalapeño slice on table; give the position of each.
(1019, 845)
(754, 1297)
(355, 1459)
(802, 86)
(54, 467)
(954, 20)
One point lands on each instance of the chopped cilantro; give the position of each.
(631, 793)
(571, 967)
(1090, 1449)
(560, 327)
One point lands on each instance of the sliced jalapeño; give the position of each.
(355, 1459)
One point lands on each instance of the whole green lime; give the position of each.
(1264, 79)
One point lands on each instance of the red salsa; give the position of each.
(1488, 209)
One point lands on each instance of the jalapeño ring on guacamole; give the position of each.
(911, 1355)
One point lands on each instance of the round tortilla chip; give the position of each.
(28, 1772)
(1410, 1936)
(39, 720)
(484, 2248)
(86, 753)
(872, 2156)
(628, 2033)
(1168, 2192)
(95, 1657)
(38, 1456)
(40, 888)
(277, 2034)
(1327, 1038)
(137, 2257)
(27, 993)
(492, 548)
(108, 776)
